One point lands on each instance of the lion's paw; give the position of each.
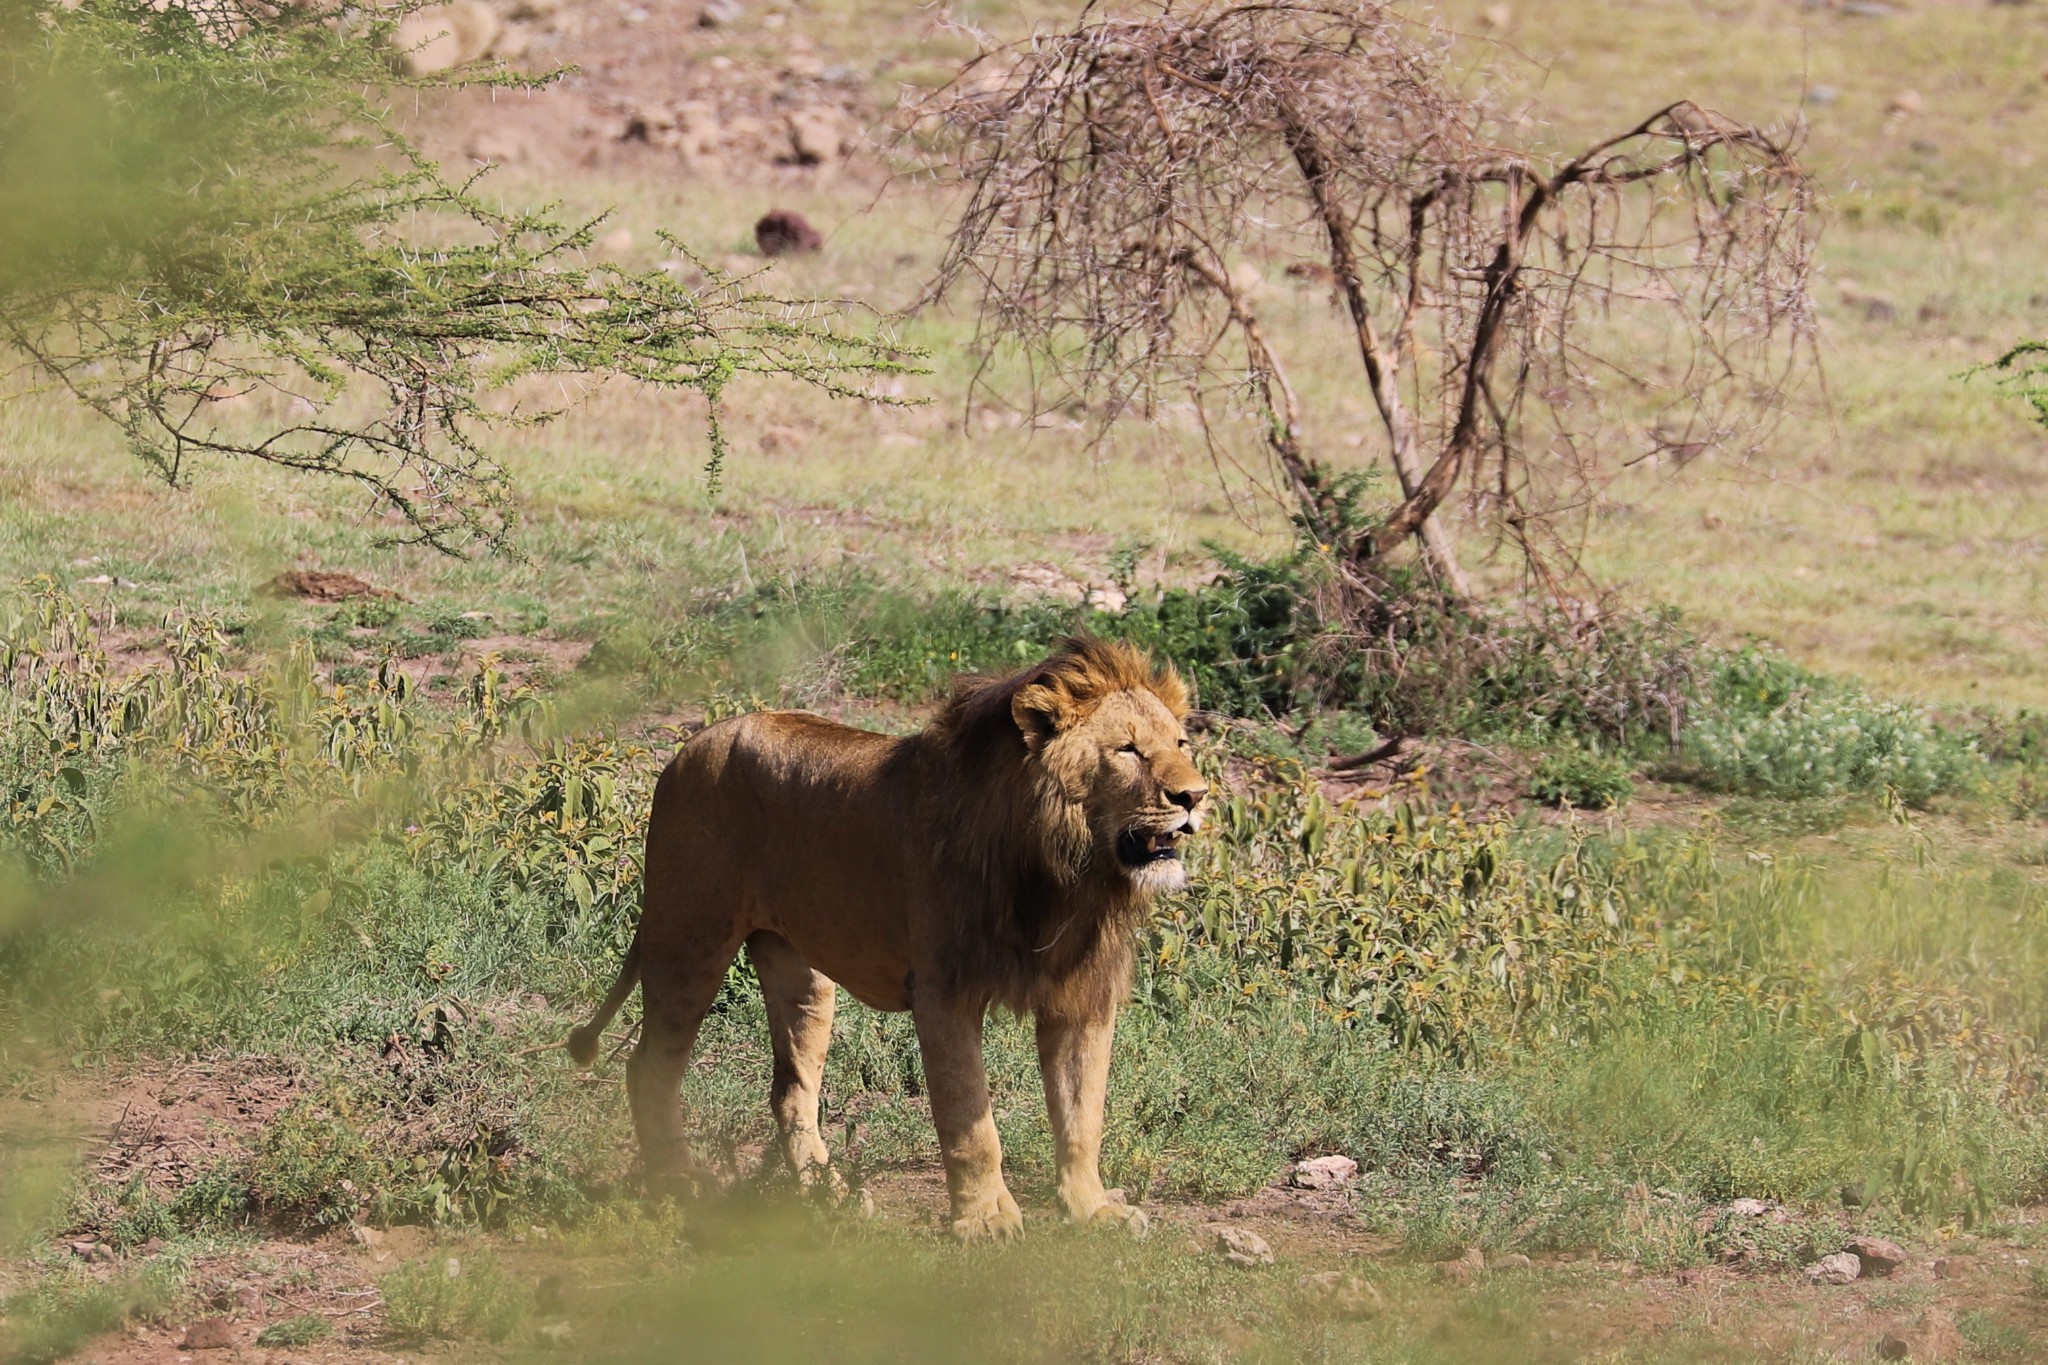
(1134, 1221)
(1000, 1222)
(824, 1183)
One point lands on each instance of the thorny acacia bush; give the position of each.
(216, 237)
(1526, 318)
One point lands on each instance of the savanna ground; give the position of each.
(299, 895)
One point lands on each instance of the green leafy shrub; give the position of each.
(303, 1330)
(450, 1296)
(1774, 730)
(311, 1165)
(1581, 779)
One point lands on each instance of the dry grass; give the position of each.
(1895, 529)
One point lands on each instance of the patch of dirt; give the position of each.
(325, 585)
(654, 95)
(171, 1125)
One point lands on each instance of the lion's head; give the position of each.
(1104, 726)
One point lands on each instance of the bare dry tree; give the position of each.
(1506, 307)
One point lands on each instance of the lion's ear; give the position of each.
(1040, 712)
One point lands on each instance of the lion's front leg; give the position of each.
(949, 1038)
(1073, 1057)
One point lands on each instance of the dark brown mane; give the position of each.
(1038, 926)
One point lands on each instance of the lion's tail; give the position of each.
(583, 1041)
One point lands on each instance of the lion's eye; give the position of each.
(1128, 749)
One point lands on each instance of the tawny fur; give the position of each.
(974, 863)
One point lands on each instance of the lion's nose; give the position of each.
(1187, 798)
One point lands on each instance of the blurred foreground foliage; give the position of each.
(216, 236)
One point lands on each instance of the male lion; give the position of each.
(1001, 856)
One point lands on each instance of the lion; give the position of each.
(1005, 855)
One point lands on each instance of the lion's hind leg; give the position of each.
(674, 1010)
(800, 1003)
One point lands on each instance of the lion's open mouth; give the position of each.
(1137, 847)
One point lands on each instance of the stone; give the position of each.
(1465, 1269)
(443, 37)
(784, 233)
(1239, 1246)
(497, 146)
(1343, 1295)
(784, 438)
(1514, 1260)
(719, 13)
(1936, 1337)
(1840, 1268)
(513, 42)
(1497, 17)
(208, 1334)
(816, 136)
(1747, 1208)
(1877, 1255)
(1821, 96)
(1324, 1172)
(555, 1333)
(1906, 102)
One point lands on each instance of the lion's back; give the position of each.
(786, 813)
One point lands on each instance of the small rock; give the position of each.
(1868, 9)
(787, 438)
(719, 13)
(1324, 1172)
(493, 145)
(208, 1334)
(635, 15)
(1936, 1337)
(1344, 1295)
(555, 1333)
(1747, 1208)
(1840, 1268)
(816, 136)
(443, 37)
(1239, 1246)
(1463, 1270)
(1906, 102)
(1822, 96)
(513, 42)
(452, 1268)
(783, 233)
(1877, 1255)
(1514, 1260)
(1497, 17)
